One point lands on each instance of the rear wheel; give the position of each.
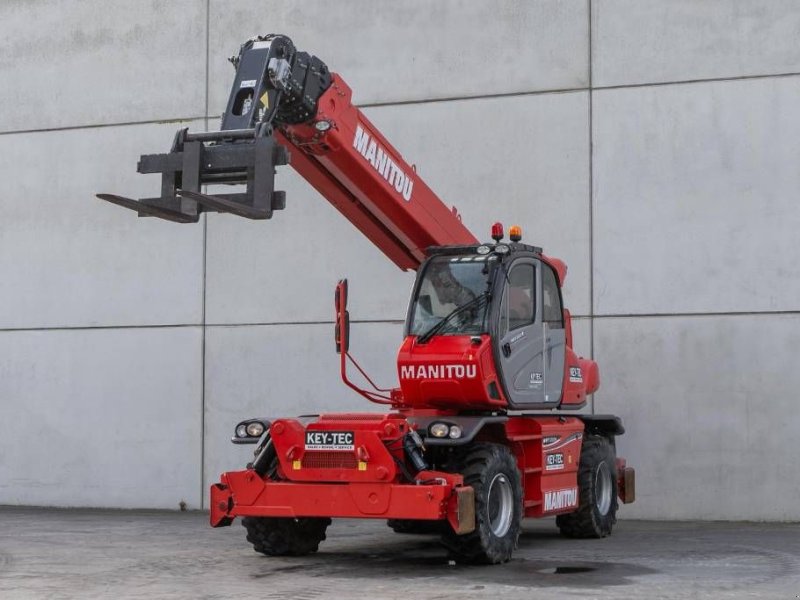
(597, 491)
(492, 472)
(282, 536)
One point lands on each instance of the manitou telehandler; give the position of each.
(471, 443)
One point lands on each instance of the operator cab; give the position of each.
(486, 329)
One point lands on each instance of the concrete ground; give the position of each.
(47, 553)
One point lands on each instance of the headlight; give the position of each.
(255, 429)
(439, 430)
(443, 430)
(250, 431)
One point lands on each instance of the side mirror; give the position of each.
(342, 339)
(342, 330)
(340, 297)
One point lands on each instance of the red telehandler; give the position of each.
(470, 443)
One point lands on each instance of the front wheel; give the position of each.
(492, 472)
(597, 490)
(281, 536)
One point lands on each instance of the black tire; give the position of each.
(417, 527)
(278, 536)
(492, 472)
(597, 492)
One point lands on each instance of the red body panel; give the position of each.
(450, 371)
(577, 385)
(369, 460)
(548, 453)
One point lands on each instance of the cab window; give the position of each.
(518, 308)
(448, 283)
(553, 315)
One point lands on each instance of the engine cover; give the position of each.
(450, 372)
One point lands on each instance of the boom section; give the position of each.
(285, 106)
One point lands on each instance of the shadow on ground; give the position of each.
(421, 557)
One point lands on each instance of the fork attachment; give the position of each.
(274, 85)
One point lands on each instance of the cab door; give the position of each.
(519, 337)
(555, 337)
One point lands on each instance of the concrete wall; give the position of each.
(652, 145)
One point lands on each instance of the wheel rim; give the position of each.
(501, 505)
(603, 488)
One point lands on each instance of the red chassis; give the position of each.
(366, 482)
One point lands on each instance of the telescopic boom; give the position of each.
(285, 106)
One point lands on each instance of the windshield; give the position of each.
(448, 283)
